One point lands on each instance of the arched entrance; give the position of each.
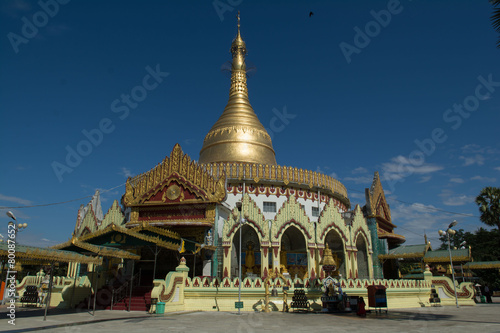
(362, 258)
(336, 244)
(293, 253)
(250, 252)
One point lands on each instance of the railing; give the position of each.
(117, 294)
(206, 175)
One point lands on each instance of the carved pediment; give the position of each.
(174, 190)
(176, 178)
(376, 202)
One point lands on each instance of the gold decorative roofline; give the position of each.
(99, 250)
(210, 176)
(278, 174)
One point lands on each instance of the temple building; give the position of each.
(237, 202)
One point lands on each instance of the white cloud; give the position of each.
(471, 148)
(16, 200)
(425, 179)
(401, 167)
(484, 179)
(471, 160)
(451, 199)
(457, 180)
(334, 175)
(413, 220)
(497, 168)
(477, 149)
(359, 170)
(125, 172)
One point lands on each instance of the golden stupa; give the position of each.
(238, 135)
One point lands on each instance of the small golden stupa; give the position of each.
(329, 264)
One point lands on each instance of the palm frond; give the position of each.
(495, 18)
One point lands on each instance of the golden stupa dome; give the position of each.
(238, 135)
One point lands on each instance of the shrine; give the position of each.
(187, 224)
(286, 215)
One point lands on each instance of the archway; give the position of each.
(363, 271)
(293, 253)
(250, 251)
(336, 244)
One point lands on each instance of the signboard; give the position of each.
(285, 288)
(238, 305)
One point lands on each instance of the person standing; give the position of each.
(487, 293)
(361, 307)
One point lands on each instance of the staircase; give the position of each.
(140, 301)
(118, 298)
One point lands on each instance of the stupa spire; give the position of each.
(238, 135)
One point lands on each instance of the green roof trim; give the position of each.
(406, 251)
(460, 255)
(482, 265)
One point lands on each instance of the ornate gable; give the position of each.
(176, 180)
(254, 217)
(113, 216)
(89, 217)
(292, 213)
(376, 202)
(176, 192)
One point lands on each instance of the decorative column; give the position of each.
(264, 259)
(370, 264)
(275, 246)
(226, 271)
(352, 263)
(311, 261)
(377, 267)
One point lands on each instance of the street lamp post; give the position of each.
(348, 218)
(241, 220)
(449, 232)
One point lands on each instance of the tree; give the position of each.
(488, 201)
(484, 247)
(456, 239)
(495, 18)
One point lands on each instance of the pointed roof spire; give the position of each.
(238, 135)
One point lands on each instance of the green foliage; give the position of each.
(456, 239)
(495, 18)
(488, 201)
(484, 247)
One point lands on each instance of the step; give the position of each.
(132, 308)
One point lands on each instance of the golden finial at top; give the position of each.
(238, 135)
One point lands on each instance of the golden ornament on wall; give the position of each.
(172, 193)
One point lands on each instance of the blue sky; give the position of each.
(409, 89)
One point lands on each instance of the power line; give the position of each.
(59, 203)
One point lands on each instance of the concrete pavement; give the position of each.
(482, 317)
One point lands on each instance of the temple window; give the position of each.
(269, 207)
(315, 211)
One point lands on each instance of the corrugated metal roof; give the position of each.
(444, 255)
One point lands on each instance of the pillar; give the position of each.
(311, 261)
(226, 248)
(275, 254)
(265, 250)
(377, 267)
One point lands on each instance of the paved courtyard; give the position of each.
(480, 318)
